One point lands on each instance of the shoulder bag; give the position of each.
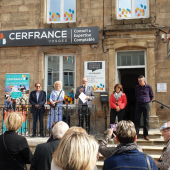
(24, 167)
(147, 160)
(55, 103)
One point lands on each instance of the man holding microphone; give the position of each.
(84, 108)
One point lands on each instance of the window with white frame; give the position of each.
(60, 11)
(131, 58)
(60, 68)
(132, 9)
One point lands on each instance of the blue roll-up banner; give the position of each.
(17, 97)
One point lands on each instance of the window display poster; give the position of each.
(17, 87)
(161, 87)
(94, 71)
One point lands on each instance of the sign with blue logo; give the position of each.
(17, 87)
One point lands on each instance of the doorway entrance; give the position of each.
(129, 79)
(130, 64)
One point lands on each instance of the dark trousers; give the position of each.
(114, 113)
(142, 107)
(38, 113)
(84, 111)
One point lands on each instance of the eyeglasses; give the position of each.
(38, 86)
(164, 131)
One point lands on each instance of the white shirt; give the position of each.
(37, 95)
(55, 167)
(85, 88)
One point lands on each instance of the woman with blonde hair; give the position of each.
(14, 150)
(76, 151)
(56, 100)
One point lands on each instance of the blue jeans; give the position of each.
(142, 107)
(40, 113)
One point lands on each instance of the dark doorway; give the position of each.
(129, 79)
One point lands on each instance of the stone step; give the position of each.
(153, 134)
(99, 164)
(153, 150)
(151, 142)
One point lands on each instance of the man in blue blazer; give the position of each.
(37, 100)
(84, 108)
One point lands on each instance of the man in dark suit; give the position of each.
(43, 153)
(84, 108)
(37, 100)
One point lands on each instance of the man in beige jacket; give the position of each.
(164, 163)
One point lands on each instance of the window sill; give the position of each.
(61, 22)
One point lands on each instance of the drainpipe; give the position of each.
(103, 32)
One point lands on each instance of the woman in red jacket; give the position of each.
(118, 103)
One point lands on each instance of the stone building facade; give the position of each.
(115, 36)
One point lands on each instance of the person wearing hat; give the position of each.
(164, 161)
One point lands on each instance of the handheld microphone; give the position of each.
(83, 88)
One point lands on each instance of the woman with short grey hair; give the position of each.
(56, 100)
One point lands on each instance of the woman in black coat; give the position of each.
(14, 149)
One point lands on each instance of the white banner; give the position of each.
(94, 71)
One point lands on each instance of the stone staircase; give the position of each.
(153, 147)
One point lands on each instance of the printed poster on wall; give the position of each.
(161, 87)
(94, 71)
(16, 96)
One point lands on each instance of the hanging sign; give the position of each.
(55, 36)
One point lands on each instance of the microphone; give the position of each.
(84, 88)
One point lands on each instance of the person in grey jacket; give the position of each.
(108, 151)
(164, 160)
(85, 108)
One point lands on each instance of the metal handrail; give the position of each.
(161, 104)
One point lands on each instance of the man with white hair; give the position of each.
(43, 153)
(144, 95)
(164, 160)
(85, 108)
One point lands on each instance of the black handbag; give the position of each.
(55, 103)
(24, 167)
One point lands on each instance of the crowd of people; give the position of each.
(38, 99)
(74, 149)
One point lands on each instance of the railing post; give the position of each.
(3, 120)
(96, 120)
(67, 113)
(105, 118)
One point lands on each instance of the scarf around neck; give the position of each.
(117, 95)
(125, 147)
